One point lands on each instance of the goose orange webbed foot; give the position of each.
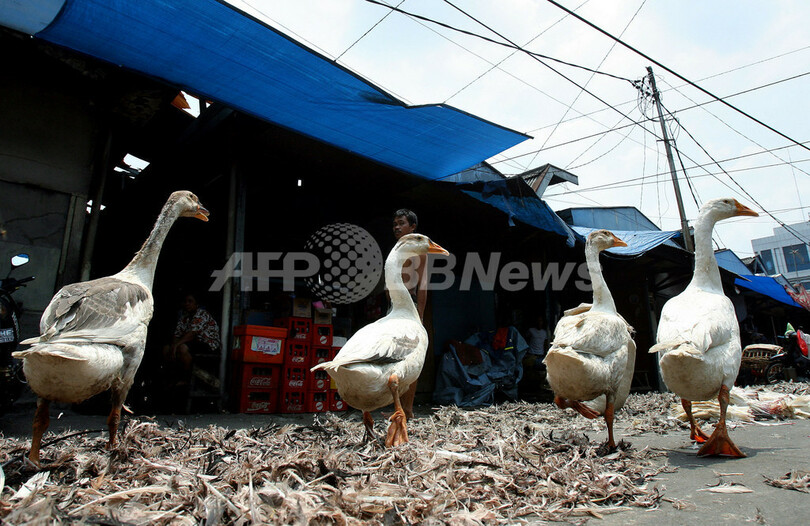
(397, 430)
(720, 445)
(579, 407)
(697, 435)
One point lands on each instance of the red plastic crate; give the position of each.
(258, 344)
(292, 401)
(336, 403)
(322, 335)
(334, 351)
(297, 328)
(317, 401)
(258, 376)
(258, 401)
(319, 355)
(318, 380)
(296, 353)
(293, 378)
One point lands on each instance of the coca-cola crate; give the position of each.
(296, 353)
(334, 352)
(318, 380)
(336, 403)
(293, 378)
(319, 355)
(258, 344)
(257, 401)
(292, 401)
(297, 328)
(258, 376)
(317, 401)
(322, 335)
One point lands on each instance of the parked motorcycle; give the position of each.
(11, 375)
(792, 363)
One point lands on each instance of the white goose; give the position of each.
(698, 336)
(93, 333)
(382, 359)
(591, 360)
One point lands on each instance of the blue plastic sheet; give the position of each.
(519, 202)
(638, 241)
(473, 385)
(213, 50)
(766, 286)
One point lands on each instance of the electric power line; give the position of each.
(508, 43)
(691, 83)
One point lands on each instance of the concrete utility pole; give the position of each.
(687, 239)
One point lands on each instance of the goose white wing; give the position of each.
(384, 342)
(591, 332)
(703, 319)
(105, 310)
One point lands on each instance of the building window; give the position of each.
(796, 258)
(766, 256)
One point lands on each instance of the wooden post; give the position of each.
(687, 239)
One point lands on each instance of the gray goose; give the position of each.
(93, 333)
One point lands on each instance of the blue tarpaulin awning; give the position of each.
(518, 201)
(213, 50)
(766, 286)
(638, 241)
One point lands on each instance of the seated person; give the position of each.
(196, 333)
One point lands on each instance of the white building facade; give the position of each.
(783, 253)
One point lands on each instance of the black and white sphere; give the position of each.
(351, 263)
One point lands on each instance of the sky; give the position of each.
(761, 48)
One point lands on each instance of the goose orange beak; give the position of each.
(202, 213)
(618, 242)
(743, 210)
(436, 249)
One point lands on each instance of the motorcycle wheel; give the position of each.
(773, 373)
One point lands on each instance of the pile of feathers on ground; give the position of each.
(492, 465)
(495, 465)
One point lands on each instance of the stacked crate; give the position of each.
(295, 373)
(257, 358)
(272, 366)
(335, 402)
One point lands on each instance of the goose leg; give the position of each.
(41, 421)
(696, 433)
(579, 407)
(407, 400)
(719, 444)
(368, 423)
(119, 394)
(397, 429)
(609, 410)
(112, 424)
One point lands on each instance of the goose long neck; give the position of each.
(602, 299)
(707, 274)
(144, 263)
(401, 302)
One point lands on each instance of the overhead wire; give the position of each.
(421, 21)
(361, 37)
(508, 43)
(711, 101)
(535, 57)
(631, 182)
(691, 83)
(601, 62)
(732, 128)
(510, 55)
(789, 229)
